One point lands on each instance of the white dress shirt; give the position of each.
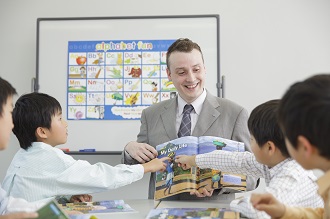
(287, 181)
(44, 172)
(197, 104)
(10, 204)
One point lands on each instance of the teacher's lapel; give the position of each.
(207, 117)
(168, 118)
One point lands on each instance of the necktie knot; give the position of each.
(188, 108)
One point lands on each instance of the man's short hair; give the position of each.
(182, 45)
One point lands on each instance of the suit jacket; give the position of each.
(219, 117)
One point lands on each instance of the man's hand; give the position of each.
(19, 215)
(203, 193)
(185, 161)
(81, 198)
(141, 152)
(268, 203)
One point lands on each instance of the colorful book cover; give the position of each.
(175, 180)
(192, 213)
(99, 207)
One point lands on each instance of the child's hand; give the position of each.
(268, 203)
(19, 215)
(185, 162)
(81, 198)
(155, 165)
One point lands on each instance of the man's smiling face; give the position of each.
(187, 72)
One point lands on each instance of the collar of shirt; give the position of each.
(324, 184)
(275, 169)
(38, 145)
(197, 104)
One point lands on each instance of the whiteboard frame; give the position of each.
(37, 87)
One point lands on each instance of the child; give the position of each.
(304, 116)
(40, 171)
(8, 204)
(285, 179)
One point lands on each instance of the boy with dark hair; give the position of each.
(304, 117)
(39, 171)
(285, 179)
(7, 203)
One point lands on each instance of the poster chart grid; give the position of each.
(116, 79)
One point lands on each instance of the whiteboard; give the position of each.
(53, 35)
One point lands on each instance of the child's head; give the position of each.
(266, 134)
(304, 116)
(6, 107)
(38, 118)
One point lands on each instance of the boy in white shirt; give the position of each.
(284, 177)
(304, 117)
(40, 171)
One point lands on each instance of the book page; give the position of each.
(176, 213)
(107, 206)
(217, 178)
(175, 180)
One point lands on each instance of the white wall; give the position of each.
(265, 46)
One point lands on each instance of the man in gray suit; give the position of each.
(211, 116)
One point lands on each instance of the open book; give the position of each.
(176, 213)
(175, 180)
(99, 207)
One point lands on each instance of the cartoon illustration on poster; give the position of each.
(116, 79)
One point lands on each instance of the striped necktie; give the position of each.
(185, 127)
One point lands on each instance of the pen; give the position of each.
(87, 150)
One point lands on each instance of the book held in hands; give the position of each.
(176, 180)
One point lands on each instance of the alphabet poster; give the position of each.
(116, 79)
